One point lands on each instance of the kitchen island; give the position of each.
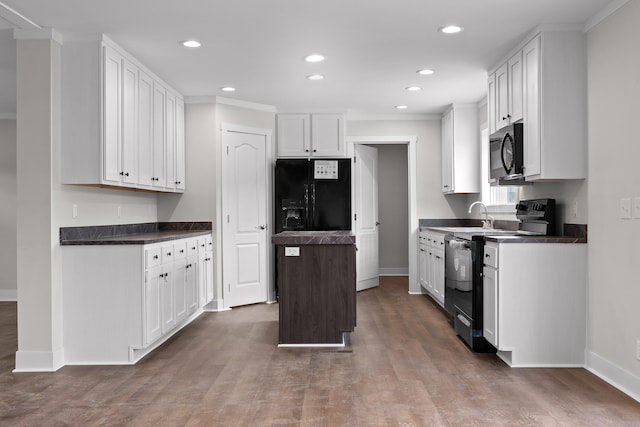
(316, 279)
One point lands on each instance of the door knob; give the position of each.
(377, 223)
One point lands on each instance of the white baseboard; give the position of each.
(618, 377)
(216, 305)
(39, 361)
(8, 295)
(393, 271)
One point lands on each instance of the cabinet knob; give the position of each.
(181, 251)
(486, 255)
(155, 257)
(315, 151)
(168, 253)
(121, 173)
(193, 248)
(126, 174)
(306, 151)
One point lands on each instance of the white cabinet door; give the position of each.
(327, 135)
(191, 284)
(531, 77)
(180, 289)
(158, 178)
(437, 274)
(129, 172)
(447, 152)
(502, 96)
(152, 313)
(294, 135)
(491, 103)
(145, 130)
(167, 299)
(515, 88)
(112, 115)
(170, 141)
(311, 135)
(180, 147)
(490, 305)
(423, 259)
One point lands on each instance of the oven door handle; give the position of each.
(464, 321)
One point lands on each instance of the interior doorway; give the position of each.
(411, 213)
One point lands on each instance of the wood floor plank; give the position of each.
(406, 368)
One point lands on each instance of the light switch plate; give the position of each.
(291, 251)
(636, 208)
(625, 208)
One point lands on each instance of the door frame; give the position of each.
(410, 142)
(267, 133)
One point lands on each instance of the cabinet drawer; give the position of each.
(491, 256)
(167, 254)
(180, 248)
(192, 247)
(202, 244)
(437, 240)
(152, 257)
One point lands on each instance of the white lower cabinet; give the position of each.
(431, 264)
(534, 303)
(122, 301)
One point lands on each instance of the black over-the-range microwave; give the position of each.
(505, 154)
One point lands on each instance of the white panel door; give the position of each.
(244, 203)
(112, 137)
(129, 172)
(366, 210)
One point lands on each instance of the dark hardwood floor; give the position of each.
(407, 368)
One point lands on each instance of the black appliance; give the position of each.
(464, 254)
(506, 154)
(312, 194)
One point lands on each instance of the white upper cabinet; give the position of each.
(311, 135)
(460, 150)
(546, 88)
(118, 121)
(505, 93)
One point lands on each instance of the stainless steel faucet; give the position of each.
(487, 222)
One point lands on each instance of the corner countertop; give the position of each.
(337, 237)
(132, 234)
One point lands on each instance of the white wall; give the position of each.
(44, 205)
(614, 154)
(8, 260)
(393, 208)
(202, 198)
(431, 203)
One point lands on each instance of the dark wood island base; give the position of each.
(317, 287)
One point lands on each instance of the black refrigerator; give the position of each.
(312, 194)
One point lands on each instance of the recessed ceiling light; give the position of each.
(315, 77)
(190, 43)
(450, 29)
(314, 58)
(425, 72)
(401, 107)
(228, 89)
(413, 88)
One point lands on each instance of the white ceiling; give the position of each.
(373, 47)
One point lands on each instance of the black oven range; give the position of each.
(464, 253)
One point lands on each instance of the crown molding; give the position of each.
(15, 18)
(603, 14)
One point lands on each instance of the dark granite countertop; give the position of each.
(314, 238)
(132, 234)
(572, 233)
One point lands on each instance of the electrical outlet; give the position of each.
(74, 211)
(625, 208)
(636, 208)
(574, 209)
(119, 211)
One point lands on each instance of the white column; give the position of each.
(40, 344)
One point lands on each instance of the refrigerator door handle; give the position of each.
(306, 206)
(313, 203)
